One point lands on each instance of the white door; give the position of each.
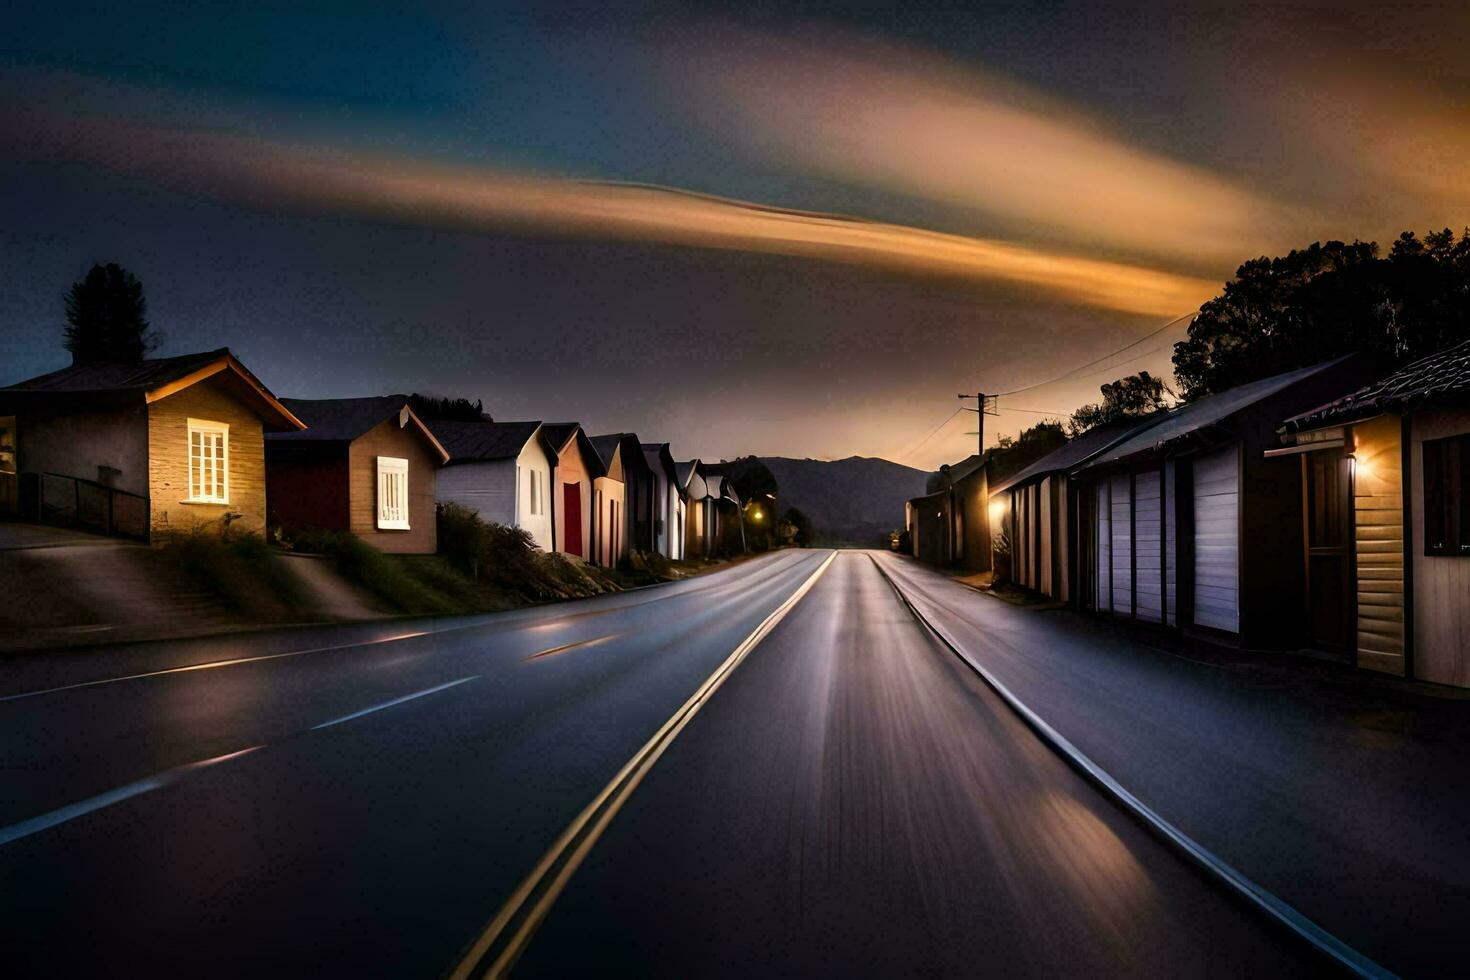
(1148, 562)
(1217, 540)
(1122, 505)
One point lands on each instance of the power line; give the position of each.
(1033, 411)
(932, 433)
(1083, 367)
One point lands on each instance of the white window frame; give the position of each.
(392, 494)
(204, 478)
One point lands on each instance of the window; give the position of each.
(1447, 496)
(538, 494)
(209, 462)
(392, 494)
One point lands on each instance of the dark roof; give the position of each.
(141, 375)
(658, 457)
(338, 419)
(685, 470)
(1177, 423)
(606, 446)
(1438, 378)
(115, 384)
(557, 433)
(483, 441)
(1081, 449)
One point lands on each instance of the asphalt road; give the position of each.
(854, 802)
(360, 800)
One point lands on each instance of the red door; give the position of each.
(572, 515)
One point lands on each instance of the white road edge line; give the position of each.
(62, 814)
(389, 704)
(1224, 873)
(614, 794)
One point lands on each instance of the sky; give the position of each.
(780, 229)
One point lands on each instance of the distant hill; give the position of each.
(850, 501)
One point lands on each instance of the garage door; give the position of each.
(1146, 542)
(1122, 545)
(1217, 540)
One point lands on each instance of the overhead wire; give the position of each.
(1067, 374)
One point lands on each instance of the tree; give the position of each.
(1013, 455)
(1323, 301)
(107, 317)
(1130, 397)
(448, 409)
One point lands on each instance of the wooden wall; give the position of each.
(1441, 584)
(1378, 509)
(168, 461)
(388, 439)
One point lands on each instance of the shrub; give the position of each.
(242, 571)
(507, 559)
(386, 577)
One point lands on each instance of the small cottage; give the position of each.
(140, 449)
(611, 523)
(501, 471)
(575, 464)
(669, 501)
(698, 507)
(1385, 507)
(365, 465)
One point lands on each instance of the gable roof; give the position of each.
(559, 434)
(1080, 449)
(113, 384)
(607, 447)
(1440, 378)
(346, 419)
(686, 471)
(478, 442)
(1186, 420)
(632, 458)
(658, 457)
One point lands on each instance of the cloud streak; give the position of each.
(910, 122)
(426, 193)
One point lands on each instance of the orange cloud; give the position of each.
(428, 193)
(907, 121)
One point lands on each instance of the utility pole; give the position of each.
(979, 411)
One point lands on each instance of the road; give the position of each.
(354, 800)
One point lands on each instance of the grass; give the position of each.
(242, 572)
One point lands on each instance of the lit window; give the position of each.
(209, 462)
(392, 494)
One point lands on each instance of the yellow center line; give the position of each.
(574, 645)
(612, 796)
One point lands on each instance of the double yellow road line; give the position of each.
(505, 938)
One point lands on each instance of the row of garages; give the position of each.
(1280, 514)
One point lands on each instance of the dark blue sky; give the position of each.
(1170, 144)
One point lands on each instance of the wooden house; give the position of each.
(1186, 523)
(641, 509)
(611, 523)
(669, 501)
(143, 448)
(364, 465)
(501, 471)
(1385, 514)
(575, 465)
(930, 522)
(698, 507)
(1035, 509)
(726, 527)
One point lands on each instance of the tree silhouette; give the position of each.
(1138, 394)
(107, 317)
(1323, 301)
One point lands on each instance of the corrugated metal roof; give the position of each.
(483, 441)
(1081, 449)
(338, 419)
(1441, 377)
(1210, 410)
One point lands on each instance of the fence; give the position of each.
(69, 501)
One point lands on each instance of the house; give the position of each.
(1186, 523)
(641, 513)
(726, 528)
(143, 448)
(669, 501)
(1385, 473)
(611, 523)
(1036, 510)
(575, 464)
(951, 523)
(365, 465)
(501, 471)
(698, 519)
